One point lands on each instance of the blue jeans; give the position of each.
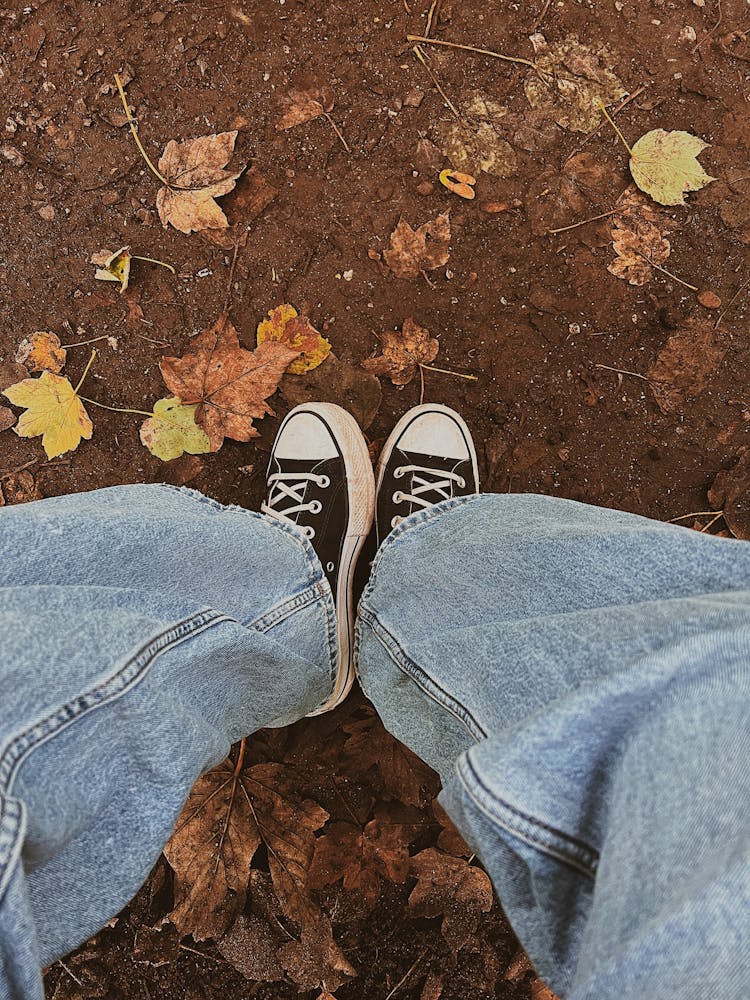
(579, 677)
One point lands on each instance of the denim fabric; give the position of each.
(581, 680)
(579, 677)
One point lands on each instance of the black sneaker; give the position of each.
(428, 457)
(320, 479)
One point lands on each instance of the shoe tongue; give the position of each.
(437, 462)
(301, 464)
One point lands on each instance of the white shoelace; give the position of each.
(443, 486)
(291, 486)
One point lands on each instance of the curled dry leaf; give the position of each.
(113, 266)
(229, 384)
(415, 250)
(665, 165)
(304, 102)
(684, 364)
(53, 410)
(196, 174)
(578, 78)
(450, 888)
(7, 418)
(638, 237)
(41, 352)
(172, 431)
(403, 353)
(730, 492)
(285, 325)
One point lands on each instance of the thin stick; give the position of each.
(622, 371)
(731, 302)
(403, 979)
(611, 122)
(228, 295)
(447, 371)
(433, 7)
(337, 130)
(695, 513)
(472, 48)
(70, 972)
(542, 15)
(85, 370)
(712, 522)
(83, 343)
(709, 33)
(13, 472)
(421, 389)
(420, 55)
(125, 409)
(669, 274)
(134, 131)
(585, 222)
(153, 260)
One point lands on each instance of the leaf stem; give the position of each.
(611, 122)
(85, 370)
(447, 371)
(134, 131)
(153, 260)
(119, 409)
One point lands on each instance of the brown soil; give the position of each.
(530, 314)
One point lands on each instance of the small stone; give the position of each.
(12, 155)
(158, 17)
(413, 99)
(493, 207)
(348, 275)
(688, 34)
(47, 213)
(425, 187)
(710, 300)
(110, 197)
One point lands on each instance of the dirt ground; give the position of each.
(533, 315)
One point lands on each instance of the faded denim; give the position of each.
(579, 677)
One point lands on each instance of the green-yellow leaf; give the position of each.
(172, 430)
(53, 409)
(113, 266)
(665, 165)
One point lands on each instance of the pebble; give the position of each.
(688, 34)
(493, 207)
(47, 212)
(413, 99)
(425, 187)
(710, 300)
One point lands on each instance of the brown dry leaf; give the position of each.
(304, 102)
(684, 364)
(449, 839)
(405, 776)
(229, 383)
(580, 78)
(251, 945)
(730, 492)
(432, 989)
(362, 856)
(415, 250)
(21, 487)
(339, 382)
(7, 418)
(403, 353)
(450, 888)
(285, 325)
(540, 991)
(196, 175)
(637, 249)
(250, 198)
(316, 961)
(556, 199)
(41, 352)
(474, 142)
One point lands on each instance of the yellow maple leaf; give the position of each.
(53, 409)
(172, 430)
(285, 325)
(665, 165)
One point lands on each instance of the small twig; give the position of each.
(731, 302)
(427, 278)
(134, 131)
(622, 371)
(708, 33)
(401, 981)
(211, 958)
(228, 295)
(85, 370)
(434, 10)
(694, 513)
(585, 222)
(712, 522)
(420, 55)
(13, 472)
(447, 371)
(337, 130)
(669, 274)
(542, 15)
(473, 48)
(611, 122)
(83, 343)
(421, 387)
(70, 972)
(150, 340)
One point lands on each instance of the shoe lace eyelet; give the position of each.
(315, 507)
(397, 497)
(462, 482)
(310, 532)
(324, 482)
(398, 472)
(395, 521)
(330, 567)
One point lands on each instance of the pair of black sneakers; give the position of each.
(320, 479)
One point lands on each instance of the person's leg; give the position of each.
(580, 678)
(145, 629)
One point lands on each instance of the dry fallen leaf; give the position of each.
(540, 990)
(684, 364)
(196, 175)
(41, 352)
(252, 195)
(449, 839)
(251, 945)
(113, 266)
(637, 249)
(579, 77)
(7, 418)
(450, 888)
(559, 198)
(730, 492)
(415, 250)
(474, 142)
(229, 384)
(285, 325)
(53, 410)
(403, 353)
(665, 165)
(303, 102)
(21, 487)
(172, 431)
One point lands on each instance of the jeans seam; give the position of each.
(21, 744)
(540, 835)
(423, 680)
(12, 831)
